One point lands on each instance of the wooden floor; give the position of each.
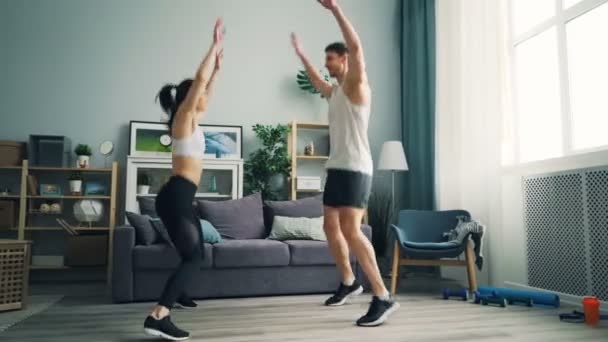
(86, 317)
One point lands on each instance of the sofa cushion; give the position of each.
(308, 252)
(147, 206)
(306, 207)
(145, 234)
(162, 256)
(250, 253)
(297, 228)
(236, 219)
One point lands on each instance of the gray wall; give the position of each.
(85, 68)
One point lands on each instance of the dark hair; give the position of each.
(337, 47)
(170, 103)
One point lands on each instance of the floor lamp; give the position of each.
(392, 158)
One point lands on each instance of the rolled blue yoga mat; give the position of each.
(541, 298)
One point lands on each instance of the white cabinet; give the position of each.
(222, 179)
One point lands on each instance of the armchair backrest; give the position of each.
(427, 225)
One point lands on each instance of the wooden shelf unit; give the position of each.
(23, 198)
(292, 149)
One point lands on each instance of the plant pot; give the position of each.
(143, 189)
(76, 187)
(83, 162)
(276, 182)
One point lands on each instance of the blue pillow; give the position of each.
(210, 234)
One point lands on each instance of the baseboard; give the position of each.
(563, 297)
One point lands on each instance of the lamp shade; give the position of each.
(392, 157)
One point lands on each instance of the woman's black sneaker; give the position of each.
(164, 328)
(343, 293)
(185, 303)
(378, 312)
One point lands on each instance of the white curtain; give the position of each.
(472, 96)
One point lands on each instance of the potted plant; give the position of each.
(75, 181)
(143, 184)
(268, 167)
(84, 153)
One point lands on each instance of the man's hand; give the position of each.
(296, 44)
(329, 4)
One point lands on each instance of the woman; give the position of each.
(174, 201)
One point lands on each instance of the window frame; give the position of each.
(560, 20)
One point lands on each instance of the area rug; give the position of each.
(36, 304)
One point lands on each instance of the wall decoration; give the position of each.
(148, 139)
(223, 141)
(152, 139)
(94, 189)
(50, 190)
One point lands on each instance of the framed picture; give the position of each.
(152, 139)
(94, 189)
(50, 190)
(149, 139)
(223, 141)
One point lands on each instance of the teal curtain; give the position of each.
(418, 102)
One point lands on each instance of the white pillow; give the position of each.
(297, 228)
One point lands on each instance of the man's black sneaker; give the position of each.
(164, 328)
(343, 293)
(378, 312)
(185, 303)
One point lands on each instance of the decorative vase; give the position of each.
(45, 208)
(143, 189)
(55, 208)
(76, 187)
(212, 185)
(83, 162)
(309, 150)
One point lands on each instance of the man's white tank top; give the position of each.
(348, 141)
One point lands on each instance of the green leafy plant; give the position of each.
(143, 179)
(75, 176)
(269, 161)
(305, 84)
(83, 150)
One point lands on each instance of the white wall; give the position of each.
(85, 68)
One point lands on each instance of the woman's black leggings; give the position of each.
(174, 207)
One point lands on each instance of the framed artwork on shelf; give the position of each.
(223, 142)
(94, 189)
(50, 190)
(152, 139)
(149, 139)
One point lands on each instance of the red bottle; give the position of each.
(591, 307)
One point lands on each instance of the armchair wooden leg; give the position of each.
(395, 271)
(470, 259)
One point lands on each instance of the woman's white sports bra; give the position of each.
(192, 146)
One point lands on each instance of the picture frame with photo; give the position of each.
(152, 139)
(149, 139)
(94, 189)
(223, 142)
(50, 190)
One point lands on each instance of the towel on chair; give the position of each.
(467, 227)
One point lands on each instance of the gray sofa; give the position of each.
(232, 268)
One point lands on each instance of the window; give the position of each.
(560, 78)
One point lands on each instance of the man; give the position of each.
(350, 166)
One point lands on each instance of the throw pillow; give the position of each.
(210, 234)
(306, 207)
(147, 206)
(236, 219)
(297, 228)
(162, 231)
(145, 234)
